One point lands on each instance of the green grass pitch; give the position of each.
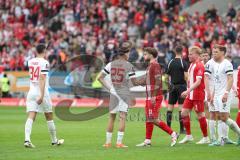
(83, 140)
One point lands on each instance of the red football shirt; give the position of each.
(153, 80)
(196, 70)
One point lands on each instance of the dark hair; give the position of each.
(40, 48)
(221, 48)
(151, 51)
(178, 49)
(5, 75)
(125, 47)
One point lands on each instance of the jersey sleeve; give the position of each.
(45, 67)
(131, 72)
(228, 68)
(199, 71)
(208, 68)
(169, 67)
(107, 69)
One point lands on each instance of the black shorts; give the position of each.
(175, 94)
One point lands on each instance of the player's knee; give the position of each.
(184, 113)
(200, 115)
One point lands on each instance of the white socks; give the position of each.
(52, 131)
(220, 130)
(148, 141)
(120, 137)
(108, 137)
(212, 126)
(233, 125)
(28, 129)
(225, 130)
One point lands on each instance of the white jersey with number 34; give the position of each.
(38, 66)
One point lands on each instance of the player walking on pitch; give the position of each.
(222, 72)
(38, 98)
(154, 98)
(195, 96)
(121, 72)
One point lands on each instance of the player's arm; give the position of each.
(42, 80)
(103, 74)
(102, 80)
(229, 72)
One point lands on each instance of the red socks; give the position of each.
(165, 127)
(149, 130)
(203, 126)
(186, 123)
(238, 118)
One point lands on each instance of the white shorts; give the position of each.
(32, 105)
(219, 106)
(118, 103)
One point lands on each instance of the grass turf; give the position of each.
(83, 140)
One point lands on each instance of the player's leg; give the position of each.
(203, 124)
(110, 126)
(149, 125)
(181, 89)
(185, 114)
(28, 129)
(121, 129)
(212, 125)
(172, 100)
(231, 123)
(52, 129)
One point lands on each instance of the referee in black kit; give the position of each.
(177, 71)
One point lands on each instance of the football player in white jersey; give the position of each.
(221, 71)
(38, 98)
(121, 73)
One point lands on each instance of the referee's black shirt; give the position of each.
(176, 69)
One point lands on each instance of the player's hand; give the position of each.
(185, 93)
(236, 93)
(225, 97)
(39, 100)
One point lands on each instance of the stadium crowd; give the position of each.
(76, 27)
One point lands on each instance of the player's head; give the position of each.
(194, 53)
(178, 50)
(205, 56)
(40, 48)
(218, 52)
(150, 53)
(124, 49)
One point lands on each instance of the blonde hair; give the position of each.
(196, 48)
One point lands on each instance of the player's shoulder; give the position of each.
(226, 62)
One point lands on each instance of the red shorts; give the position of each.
(198, 105)
(152, 111)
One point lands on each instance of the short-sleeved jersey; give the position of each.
(176, 69)
(153, 80)
(120, 72)
(195, 71)
(38, 66)
(219, 72)
(211, 78)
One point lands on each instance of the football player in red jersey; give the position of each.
(195, 96)
(154, 98)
